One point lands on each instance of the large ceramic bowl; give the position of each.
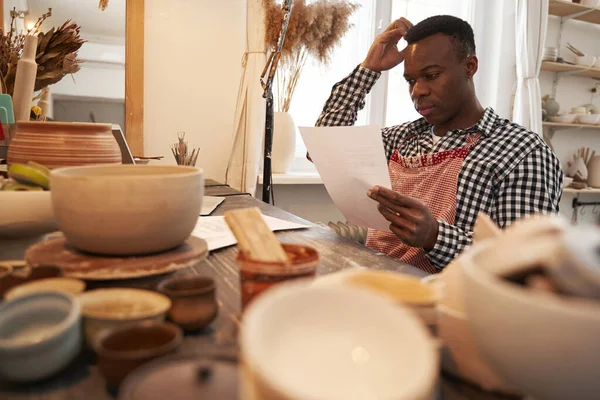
(25, 214)
(546, 345)
(40, 334)
(301, 341)
(62, 144)
(110, 308)
(127, 209)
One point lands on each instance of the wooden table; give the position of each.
(81, 379)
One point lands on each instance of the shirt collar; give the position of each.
(486, 125)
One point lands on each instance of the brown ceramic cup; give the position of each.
(193, 301)
(122, 349)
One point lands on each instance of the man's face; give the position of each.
(438, 81)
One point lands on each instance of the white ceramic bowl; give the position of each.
(590, 3)
(589, 119)
(545, 345)
(585, 61)
(25, 214)
(40, 334)
(567, 181)
(300, 341)
(63, 285)
(564, 119)
(108, 308)
(127, 209)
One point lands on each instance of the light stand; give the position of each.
(266, 80)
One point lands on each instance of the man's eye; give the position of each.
(431, 77)
(410, 82)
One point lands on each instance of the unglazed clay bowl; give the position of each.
(61, 144)
(71, 286)
(127, 209)
(114, 307)
(122, 349)
(194, 305)
(40, 334)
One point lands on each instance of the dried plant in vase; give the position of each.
(315, 29)
(56, 54)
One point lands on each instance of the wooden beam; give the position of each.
(134, 76)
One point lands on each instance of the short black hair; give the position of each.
(460, 31)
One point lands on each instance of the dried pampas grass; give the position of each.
(56, 54)
(315, 29)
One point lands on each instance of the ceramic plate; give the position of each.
(80, 265)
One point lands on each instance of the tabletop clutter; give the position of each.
(517, 313)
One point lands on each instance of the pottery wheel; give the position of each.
(57, 251)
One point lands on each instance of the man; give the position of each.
(458, 160)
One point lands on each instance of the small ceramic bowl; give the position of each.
(193, 301)
(124, 348)
(589, 119)
(63, 285)
(21, 275)
(40, 334)
(399, 288)
(564, 119)
(109, 308)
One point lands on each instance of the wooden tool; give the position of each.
(254, 236)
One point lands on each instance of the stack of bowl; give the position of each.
(550, 54)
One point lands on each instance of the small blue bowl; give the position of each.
(40, 334)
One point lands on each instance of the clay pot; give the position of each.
(193, 301)
(63, 144)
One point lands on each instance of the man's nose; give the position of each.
(420, 89)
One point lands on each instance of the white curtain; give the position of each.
(495, 40)
(242, 170)
(531, 24)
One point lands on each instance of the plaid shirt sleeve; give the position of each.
(532, 187)
(348, 98)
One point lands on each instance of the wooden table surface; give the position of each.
(81, 379)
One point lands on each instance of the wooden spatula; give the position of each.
(254, 236)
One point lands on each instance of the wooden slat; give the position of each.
(561, 8)
(134, 76)
(566, 126)
(560, 67)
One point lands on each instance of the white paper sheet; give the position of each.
(351, 160)
(209, 203)
(217, 234)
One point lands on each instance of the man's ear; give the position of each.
(472, 65)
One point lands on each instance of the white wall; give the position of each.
(193, 52)
(573, 91)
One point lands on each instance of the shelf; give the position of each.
(563, 8)
(291, 178)
(556, 125)
(581, 191)
(577, 70)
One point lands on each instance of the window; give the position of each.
(389, 102)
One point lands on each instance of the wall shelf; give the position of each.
(577, 70)
(581, 191)
(568, 9)
(559, 126)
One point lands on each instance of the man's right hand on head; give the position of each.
(384, 54)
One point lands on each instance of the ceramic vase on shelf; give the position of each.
(284, 142)
(63, 144)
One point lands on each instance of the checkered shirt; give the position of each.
(509, 174)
